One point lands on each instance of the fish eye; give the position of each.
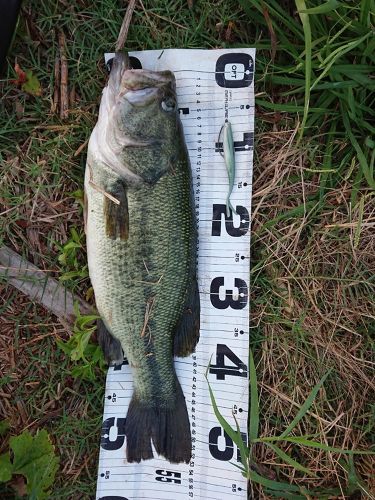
(168, 104)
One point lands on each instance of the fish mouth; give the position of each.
(138, 85)
(139, 79)
(120, 64)
(141, 87)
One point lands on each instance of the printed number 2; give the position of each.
(219, 211)
(167, 476)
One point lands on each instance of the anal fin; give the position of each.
(116, 213)
(110, 346)
(187, 331)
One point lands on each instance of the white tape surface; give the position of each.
(212, 86)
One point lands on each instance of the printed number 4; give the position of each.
(221, 370)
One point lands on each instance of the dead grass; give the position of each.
(313, 310)
(37, 391)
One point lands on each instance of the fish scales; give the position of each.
(156, 262)
(141, 246)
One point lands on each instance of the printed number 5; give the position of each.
(167, 476)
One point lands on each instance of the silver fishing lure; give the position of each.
(229, 159)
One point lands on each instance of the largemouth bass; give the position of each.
(141, 247)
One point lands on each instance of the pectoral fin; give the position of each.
(111, 346)
(187, 332)
(116, 213)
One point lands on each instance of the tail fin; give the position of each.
(168, 428)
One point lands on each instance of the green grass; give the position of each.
(324, 70)
(312, 245)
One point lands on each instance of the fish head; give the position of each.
(148, 130)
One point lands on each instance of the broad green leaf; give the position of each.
(83, 321)
(5, 468)
(32, 85)
(306, 406)
(254, 401)
(82, 340)
(69, 275)
(34, 458)
(71, 245)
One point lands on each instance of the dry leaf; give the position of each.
(21, 75)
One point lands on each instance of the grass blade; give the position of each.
(322, 9)
(336, 54)
(358, 228)
(305, 209)
(234, 435)
(302, 441)
(365, 11)
(271, 484)
(327, 163)
(301, 6)
(284, 495)
(287, 459)
(244, 451)
(254, 401)
(360, 154)
(291, 108)
(305, 407)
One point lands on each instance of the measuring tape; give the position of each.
(212, 86)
